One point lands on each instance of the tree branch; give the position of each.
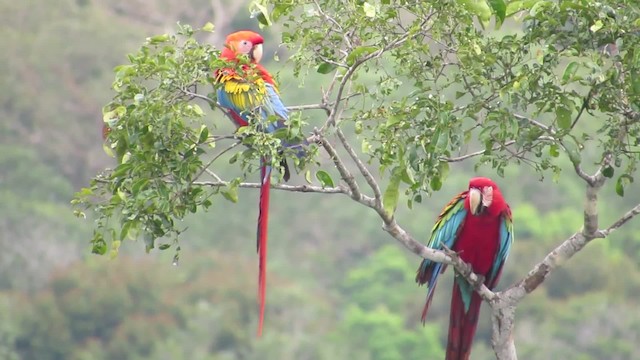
(331, 119)
(623, 220)
(507, 301)
(345, 174)
(477, 153)
(363, 169)
(284, 187)
(308, 107)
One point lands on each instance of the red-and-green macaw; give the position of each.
(248, 94)
(477, 224)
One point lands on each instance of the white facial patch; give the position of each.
(244, 47)
(487, 196)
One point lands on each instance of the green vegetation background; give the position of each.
(340, 288)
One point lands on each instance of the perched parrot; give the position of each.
(250, 94)
(477, 224)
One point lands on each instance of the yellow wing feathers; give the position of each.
(245, 95)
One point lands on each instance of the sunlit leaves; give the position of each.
(155, 140)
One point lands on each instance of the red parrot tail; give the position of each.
(462, 327)
(263, 219)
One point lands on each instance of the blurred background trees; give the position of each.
(338, 288)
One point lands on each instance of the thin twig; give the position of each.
(204, 168)
(477, 153)
(542, 126)
(324, 107)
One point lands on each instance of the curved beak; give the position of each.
(256, 53)
(475, 201)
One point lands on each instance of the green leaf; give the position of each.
(500, 9)
(596, 26)
(307, 176)
(164, 246)
(324, 178)
(369, 10)
(436, 183)
(407, 176)
(359, 52)
(517, 6)
(622, 182)
(197, 109)
(480, 8)
(569, 72)
(573, 151)
(99, 245)
(358, 127)
(262, 13)
(125, 229)
(635, 82)
(149, 241)
(231, 192)
(263, 20)
(608, 172)
(392, 120)
(208, 27)
(204, 134)
(120, 170)
(107, 150)
(365, 146)
(139, 185)
(158, 39)
(563, 117)
(326, 68)
(392, 192)
(554, 150)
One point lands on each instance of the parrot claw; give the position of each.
(479, 281)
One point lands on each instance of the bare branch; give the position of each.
(536, 123)
(198, 96)
(363, 169)
(308, 107)
(623, 220)
(345, 174)
(204, 168)
(285, 187)
(477, 153)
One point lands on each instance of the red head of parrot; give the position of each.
(484, 197)
(243, 42)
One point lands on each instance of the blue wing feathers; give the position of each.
(444, 233)
(506, 239)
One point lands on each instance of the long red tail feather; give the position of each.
(263, 220)
(462, 327)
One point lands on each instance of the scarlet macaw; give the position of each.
(477, 224)
(250, 94)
